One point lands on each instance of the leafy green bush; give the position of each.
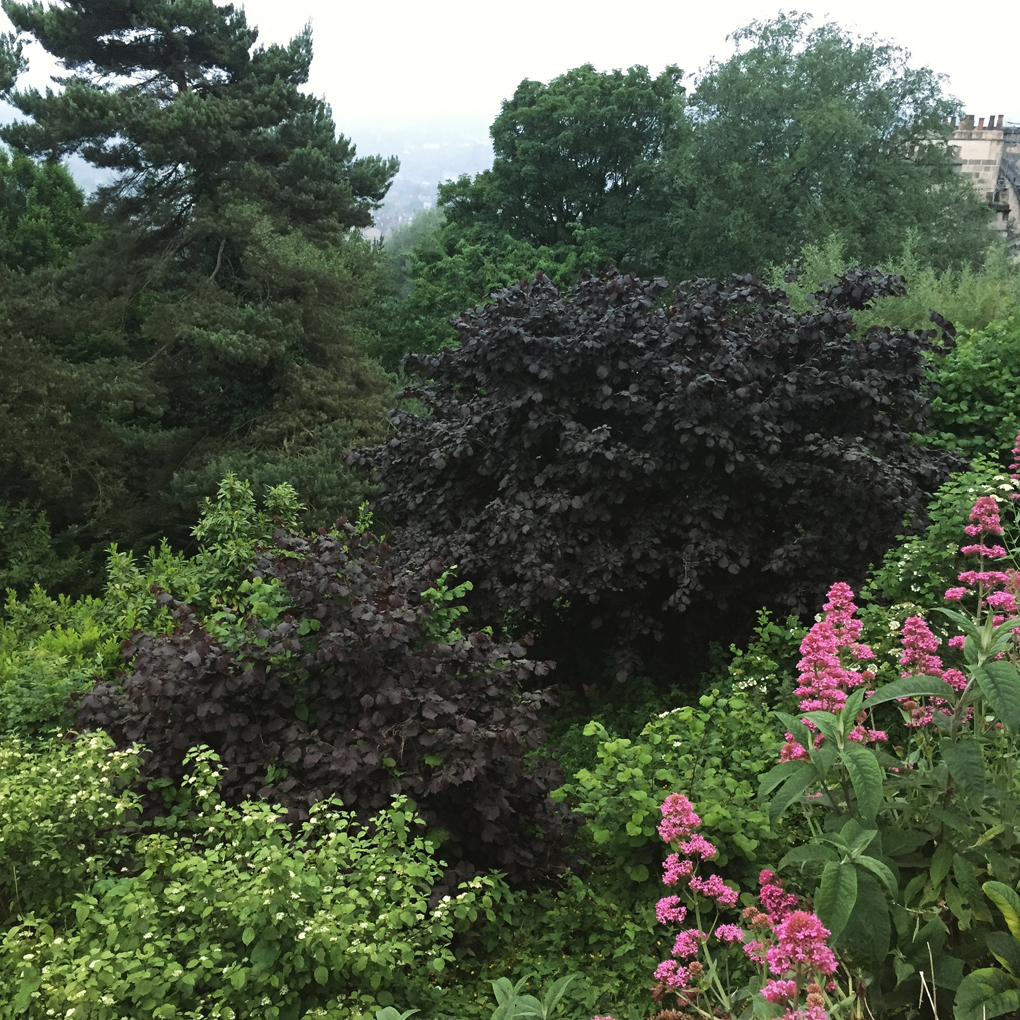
(63, 808)
(51, 648)
(975, 410)
(715, 751)
(230, 913)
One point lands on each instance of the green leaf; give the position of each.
(321, 975)
(827, 723)
(836, 896)
(791, 790)
(239, 979)
(1008, 903)
(966, 764)
(558, 990)
(798, 730)
(1006, 949)
(876, 867)
(265, 953)
(248, 936)
(779, 774)
(29, 983)
(965, 623)
(986, 993)
(911, 687)
(866, 776)
(1000, 684)
(808, 853)
(851, 707)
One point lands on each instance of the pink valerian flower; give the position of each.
(674, 869)
(779, 991)
(774, 898)
(792, 751)
(729, 933)
(1002, 600)
(715, 888)
(985, 517)
(678, 818)
(801, 946)
(955, 594)
(806, 1013)
(672, 974)
(698, 846)
(755, 951)
(688, 942)
(669, 908)
(831, 663)
(920, 656)
(991, 552)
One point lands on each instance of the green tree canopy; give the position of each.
(214, 324)
(42, 216)
(583, 151)
(807, 132)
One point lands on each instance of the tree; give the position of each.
(217, 314)
(805, 133)
(42, 213)
(581, 153)
(605, 467)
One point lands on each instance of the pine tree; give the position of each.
(220, 305)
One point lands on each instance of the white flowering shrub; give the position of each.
(63, 808)
(230, 913)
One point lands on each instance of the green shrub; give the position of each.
(714, 752)
(976, 409)
(230, 913)
(62, 809)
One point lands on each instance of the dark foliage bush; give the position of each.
(621, 460)
(347, 695)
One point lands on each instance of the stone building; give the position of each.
(989, 154)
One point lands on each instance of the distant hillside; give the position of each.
(425, 160)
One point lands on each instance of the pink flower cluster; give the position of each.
(678, 818)
(831, 665)
(801, 946)
(920, 657)
(998, 590)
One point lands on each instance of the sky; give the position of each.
(444, 66)
(403, 77)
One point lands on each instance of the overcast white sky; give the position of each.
(444, 66)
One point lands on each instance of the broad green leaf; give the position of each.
(827, 723)
(876, 867)
(779, 774)
(1000, 684)
(986, 993)
(1008, 903)
(558, 990)
(239, 979)
(862, 838)
(321, 975)
(264, 955)
(836, 896)
(866, 776)
(791, 790)
(911, 687)
(248, 936)
(852, 706)
(1006, 950)
(800, 732)
(966, 764)
(965, 623)
(808, 853)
